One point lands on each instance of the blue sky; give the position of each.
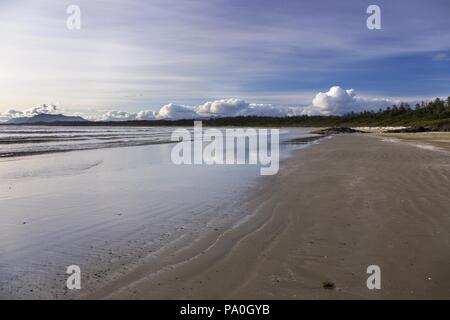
(140, 55)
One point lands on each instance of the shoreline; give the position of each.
(107, 210)
(430, 140)
(335, 208)
(178, 252)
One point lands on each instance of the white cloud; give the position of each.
(44, 108)
(145, 115)
(11, 114)
(117, 116)
(237, 107)
(122, 116)
(191, 49)
(169, 111)
(218, 108)
(338, 101)
(173, 112)
(224, 107)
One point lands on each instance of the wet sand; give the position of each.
(423, 139)
(109, 210)
(334, 209)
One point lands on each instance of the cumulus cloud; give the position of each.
(218, 108)
(123, 116)
(224, 107)
(173, 112)
(145, 115)
(338, 101)
(11, 114)
(43, 108)
(237, 107)
(117, 116)
(33, 111)
(169, 111)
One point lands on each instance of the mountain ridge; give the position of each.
(46, 118)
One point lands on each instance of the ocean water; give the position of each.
(26, 140)
(112, 201)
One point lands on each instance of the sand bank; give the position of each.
(334, 209)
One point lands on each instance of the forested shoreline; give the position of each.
(425, 114)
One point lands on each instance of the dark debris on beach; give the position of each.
(337, 130)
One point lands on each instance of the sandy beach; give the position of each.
(225, 150)
(334, 209)
(142, 228)
(430, 140)
(107, 209)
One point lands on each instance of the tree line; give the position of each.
(422, 114)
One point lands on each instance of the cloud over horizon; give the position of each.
(33, 111)
(142, 53)
(336, 101)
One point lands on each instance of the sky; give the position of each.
(178, 58)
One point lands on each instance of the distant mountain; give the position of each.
(46, 118)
